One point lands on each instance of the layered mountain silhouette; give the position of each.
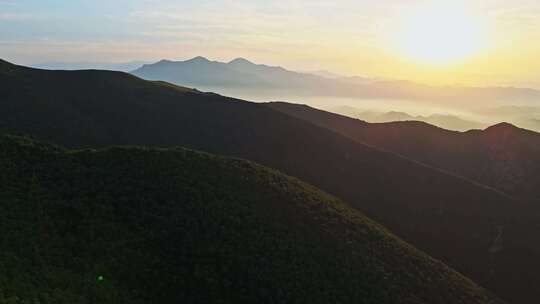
(503, 156)
(135, 225)
(243, 75)
(473, 228)
(239, 73)
(445, 121)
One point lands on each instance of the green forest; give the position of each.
(140, 225)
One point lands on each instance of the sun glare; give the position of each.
(440, 35)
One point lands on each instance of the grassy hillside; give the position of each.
(428, 208)
(134, 225)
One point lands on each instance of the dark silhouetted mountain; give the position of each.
(502, 156)
(521, 116)
(243, 75)
(453, 219)
(134, 225)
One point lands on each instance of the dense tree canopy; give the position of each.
(136, 225)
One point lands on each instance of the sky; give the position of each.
(494, 42)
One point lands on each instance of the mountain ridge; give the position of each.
(240, 60)
(425, 207)
(445, 121)
(271, 79)
(245, 217)
(503, 143)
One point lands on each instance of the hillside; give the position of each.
(135, 225)
(428, 208)
(502, 156)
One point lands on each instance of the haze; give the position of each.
(182, 151)
(498, 42)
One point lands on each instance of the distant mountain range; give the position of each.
(325, 74)
(239, 73)
(242, 74)
(524, 116)
(381, 173)
(446, 121)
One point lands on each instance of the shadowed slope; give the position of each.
(133, 225)
(502, 156)
(428, 208)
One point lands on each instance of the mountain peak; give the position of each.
(240, 60)
(502, 127)
(164, 61)
(199, 59)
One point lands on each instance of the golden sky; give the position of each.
(491, 42)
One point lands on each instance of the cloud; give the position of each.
(266, 23)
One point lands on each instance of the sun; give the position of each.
(440, 34)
